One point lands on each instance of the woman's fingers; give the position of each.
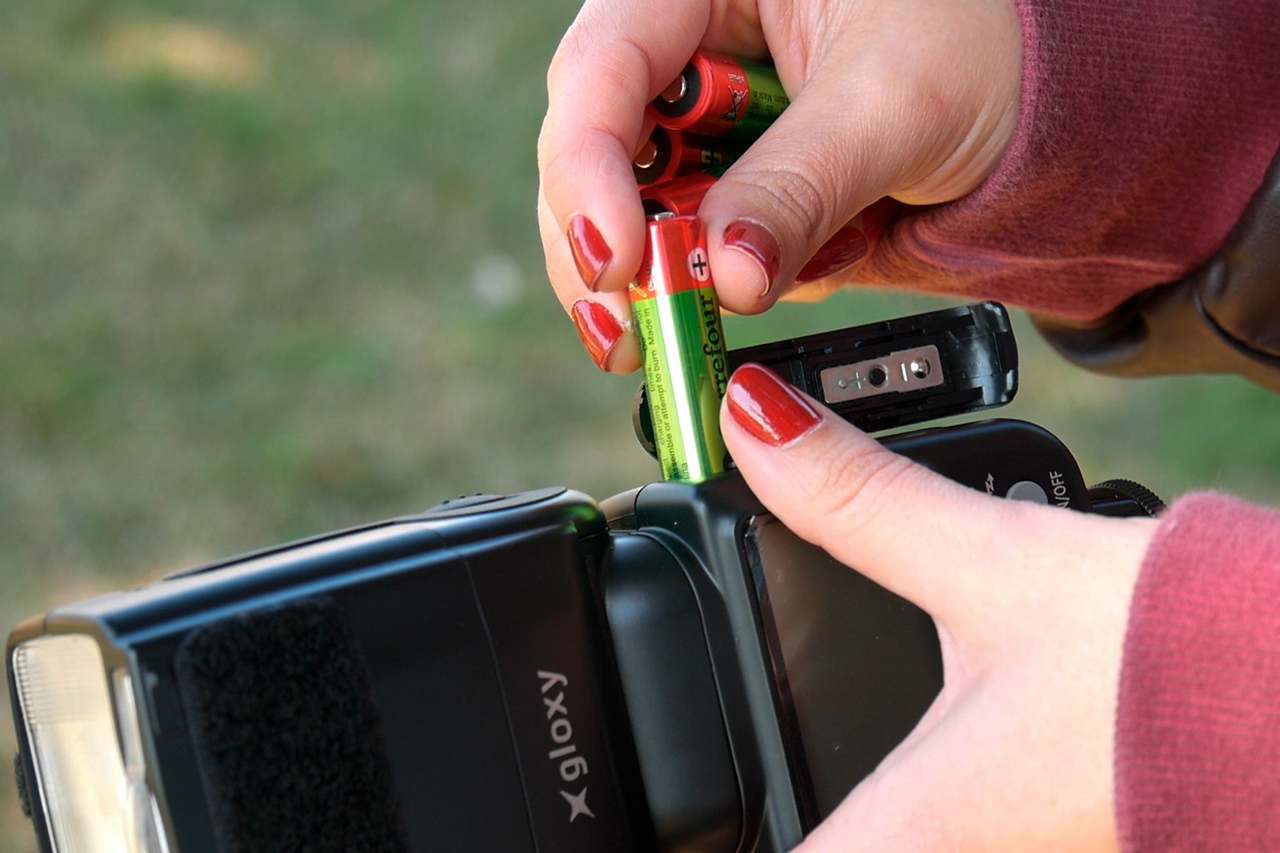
(602, 320)
(958, 553)
(873, 114)
(615, 59)
(794, 193)
(898, 523)
(608, 66)
(1031, 604)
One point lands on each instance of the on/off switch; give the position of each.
(1029, 491)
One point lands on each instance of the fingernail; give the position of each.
(598, 328)
(845, 248)
(590, 252)
(754, 239)
(769, 408)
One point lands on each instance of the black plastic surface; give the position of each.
(20, 782)
(674, 709)
(24, 769)
(976, 343)
(1125, 499)
(487, 650)
(996, 455)
(856, 666)
(458, 613)
(701, 525)
(719, 521)
(442, 708)
(473, 505)
(545, 634)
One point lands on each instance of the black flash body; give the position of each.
(474, 628)
(670, 669)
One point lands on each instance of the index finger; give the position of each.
(965, 557)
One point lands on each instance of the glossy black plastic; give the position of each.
(678, 679)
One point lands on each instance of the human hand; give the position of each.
(915, 99)
(1031, 604)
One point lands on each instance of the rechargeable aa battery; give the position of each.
(677, 320)
(718, 95)
(671, 153)
(681, 196)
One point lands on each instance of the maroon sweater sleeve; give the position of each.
(1198, 725)
(1144, 128)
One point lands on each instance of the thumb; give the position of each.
(796, 188)
(923, 119)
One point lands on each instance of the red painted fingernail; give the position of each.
(598, 328)
(756, 241)
(769, 408)
(590, 252)
(845, 248)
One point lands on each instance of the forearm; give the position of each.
(1198, 722)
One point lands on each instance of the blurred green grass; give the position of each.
(271, 267)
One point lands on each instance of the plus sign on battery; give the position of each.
(699, 269)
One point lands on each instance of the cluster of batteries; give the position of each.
(704, 121)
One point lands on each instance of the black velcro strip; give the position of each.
(282, 718)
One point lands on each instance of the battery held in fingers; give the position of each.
(718, 95)
(677, 321)
(681, 196)
(670, 153)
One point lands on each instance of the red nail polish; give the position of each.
(755, 240)
(598, 328)
(590, 252)
(769, 408)
(845, 248)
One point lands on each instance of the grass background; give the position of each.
(269, 267)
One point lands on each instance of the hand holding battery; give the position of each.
(915, 100)
(1031, 604)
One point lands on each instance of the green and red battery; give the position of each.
(670, 153)
(677, 321)
(705, 120)
(681, 196)
(718, 95)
